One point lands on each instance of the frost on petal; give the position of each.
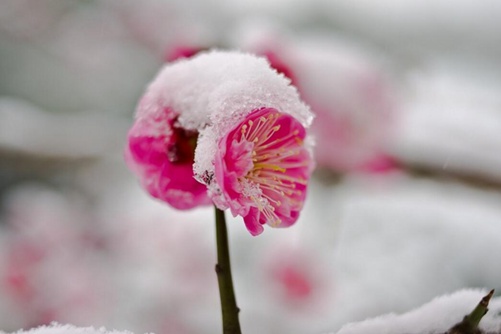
(262, 168)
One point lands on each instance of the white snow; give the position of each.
(451, 120)
(220, 88)
(55, 328)
(400, 242)
(435, 317)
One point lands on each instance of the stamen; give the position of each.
(278, 141)
(267, 131)
(278, 156)
(243, 130)
(263, 128)
(269, 166)
(271, 158)
(253, 130)
(283, 177)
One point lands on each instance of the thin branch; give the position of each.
(229, 308)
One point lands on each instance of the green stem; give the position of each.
(229, 308)
(470, 322)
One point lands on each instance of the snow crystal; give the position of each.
(56, 328)
(436, 316)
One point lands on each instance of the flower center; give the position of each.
(181, 148)
(274, 156)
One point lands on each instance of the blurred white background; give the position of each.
(404, 206)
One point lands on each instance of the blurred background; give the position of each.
(404, 204)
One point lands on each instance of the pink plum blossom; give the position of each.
(214, 90)
(161, 153)
(262, 168)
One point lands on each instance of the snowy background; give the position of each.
(404, 207)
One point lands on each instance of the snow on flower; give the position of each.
(254, 154)
(195, 109)
(262, 167)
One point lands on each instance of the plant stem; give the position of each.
(470, 322)
(229, 308)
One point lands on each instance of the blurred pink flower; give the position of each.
(298, 279)
(295, 283)
(50, 266)
(354, 123)
(347, 88)
(262, 168)
(161, 153)
(182, 51)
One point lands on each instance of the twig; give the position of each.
(229, 308)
